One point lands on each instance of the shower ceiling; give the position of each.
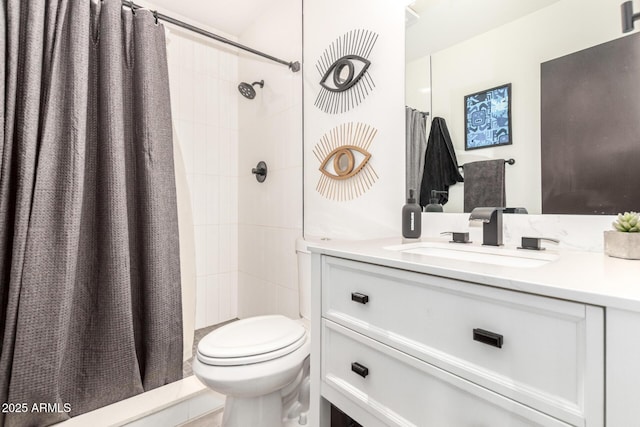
(230, 16)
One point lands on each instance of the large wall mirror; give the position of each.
(457, 48)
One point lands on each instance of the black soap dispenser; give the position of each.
(433, 205)
(411, 218)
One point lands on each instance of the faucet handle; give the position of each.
(458, 237)
(534, 243)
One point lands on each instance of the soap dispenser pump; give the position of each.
(411, 218)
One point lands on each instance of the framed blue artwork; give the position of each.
(487, 117)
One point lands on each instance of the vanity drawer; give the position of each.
(401, 390)
(531, 349)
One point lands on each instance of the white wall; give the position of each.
(418, 84)
(377, 212)
(444, 23)
(271, 130)
(513, 53)
(203, 75)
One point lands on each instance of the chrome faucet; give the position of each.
(492, 224)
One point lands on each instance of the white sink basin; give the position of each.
(482, 254)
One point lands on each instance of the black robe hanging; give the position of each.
(440, 164)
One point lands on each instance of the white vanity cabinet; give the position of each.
(398, 348)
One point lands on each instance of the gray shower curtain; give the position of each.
(416, 146)
(90, 309)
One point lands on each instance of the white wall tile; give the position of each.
(270, 302)
(246, 199)
(199, 148)
(233, 294)
(191, 179)
(252, 249)
(228, 247)
(212, 150)
(186, 135)
(270, 129)
(200, 100)
(201, 298)
(212, 61)
(207, 252)
(291, 216)
(186, 94)
(228, 63)
(202, 84)
(233, 155)
(203, 252)
(287, 275)
(200, 50)
(226, 156)
(174, 78)
(199, 199)
(212, 199)
(212, 304)
(251, 293)
(293, 138)
(228, 283)
(288, 302)
(212, 94)
(229, 105)
(184, 47)
(213, 238)
(245, 231)
(272, 259)
(228, 200)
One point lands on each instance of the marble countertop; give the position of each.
(587, 277)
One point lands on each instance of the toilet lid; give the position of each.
(251, 340)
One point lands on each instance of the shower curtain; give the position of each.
(416, 146)
(90, 306)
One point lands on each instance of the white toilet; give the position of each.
(262, 363)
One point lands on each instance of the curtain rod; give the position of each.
(294, 66)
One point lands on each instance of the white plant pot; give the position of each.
(622, 245)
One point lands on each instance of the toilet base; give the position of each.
(261, 411)
(283, 408)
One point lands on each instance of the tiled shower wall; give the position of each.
(203, 79)
(270, 213)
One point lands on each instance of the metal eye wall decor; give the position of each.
(344, 72)
(344, 157)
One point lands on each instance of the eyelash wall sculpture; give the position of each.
(344, 77)
(349, 174)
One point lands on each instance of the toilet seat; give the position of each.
(253, 340)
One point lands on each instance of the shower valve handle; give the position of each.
(260, 171)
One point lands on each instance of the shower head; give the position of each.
(247, 89)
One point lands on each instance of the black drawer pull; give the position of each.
(487, 337)
(363, 371)
(358, 297)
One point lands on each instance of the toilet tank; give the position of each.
(304, 277)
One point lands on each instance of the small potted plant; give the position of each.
(624, 240)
